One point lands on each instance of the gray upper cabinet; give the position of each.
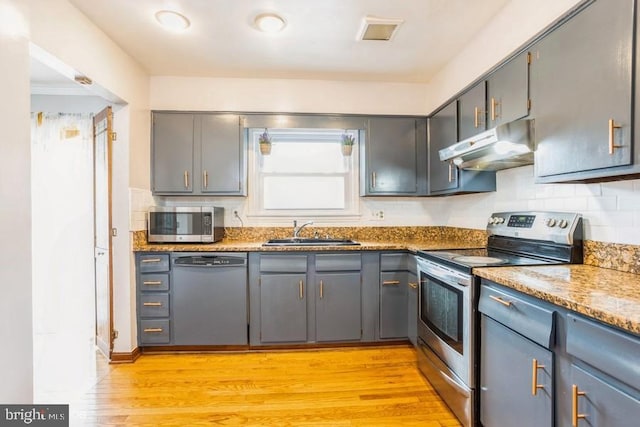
(198, 154)
(394, 157)
(508, 91)
(172, 153)
(472, 112)
(581, 87)
(444, 177)
(223, 165)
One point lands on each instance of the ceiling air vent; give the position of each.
(381, 29)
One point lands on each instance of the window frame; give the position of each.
(256, 194)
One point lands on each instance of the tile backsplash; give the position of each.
(611, 210)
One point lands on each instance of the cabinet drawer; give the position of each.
(283, 263)
(149, 263)
(613, 352)
(338, 262)
(395, 262)
(522, 315)
(154, 331)
(154, 282)
(154, 305)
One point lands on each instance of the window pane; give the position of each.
(305, 157)
(309, 192)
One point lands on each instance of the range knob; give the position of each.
(563, 223)
(551, 222)
(492, 220)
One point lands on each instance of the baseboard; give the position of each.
(125, 357)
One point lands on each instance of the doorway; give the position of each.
(66, 238)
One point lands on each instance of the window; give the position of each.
(304, 174)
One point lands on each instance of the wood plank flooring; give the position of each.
(370, 386)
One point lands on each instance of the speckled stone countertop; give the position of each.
(610, 296)
(370, 239)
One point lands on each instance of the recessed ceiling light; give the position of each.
(270, 23)
(173, 21)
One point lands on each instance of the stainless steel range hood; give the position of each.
(506, 146)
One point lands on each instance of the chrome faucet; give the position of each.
(296, 229)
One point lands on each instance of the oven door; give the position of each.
(445, 317)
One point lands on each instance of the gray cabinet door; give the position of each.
(209, 306)
(393, 304)
(412, 309)
(506, 379)
(395, 156)
(442, 133)
(602, 404)
(172, 153)
(472, 112)
(581, 79)
(508, 92)
(222, 160)
(283, 308)
(338, 307)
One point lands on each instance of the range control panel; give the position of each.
(559, 227)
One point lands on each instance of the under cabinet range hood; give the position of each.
(505, 146)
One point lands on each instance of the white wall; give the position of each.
(300, 96)
(512, 27)
(15, 209)
(60, 29)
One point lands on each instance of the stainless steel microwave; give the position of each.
(203, 224)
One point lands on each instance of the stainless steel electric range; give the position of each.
(448, 319)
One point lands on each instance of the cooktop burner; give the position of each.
(479, 260)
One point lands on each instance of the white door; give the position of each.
(102, 140)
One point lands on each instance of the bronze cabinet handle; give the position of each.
(500, 300)
(612, 131)
(575, 416)
(534, 377)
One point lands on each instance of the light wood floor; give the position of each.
(371, 386)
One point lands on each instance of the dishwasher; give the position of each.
(209, 304)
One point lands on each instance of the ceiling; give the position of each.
(319, 41)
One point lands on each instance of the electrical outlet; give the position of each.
(378, 215)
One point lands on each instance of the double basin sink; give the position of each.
(298, 241)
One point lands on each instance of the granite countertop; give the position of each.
(240, 246)
(610, 296)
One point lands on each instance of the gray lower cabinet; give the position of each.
(444, 177)
(582, 88)
(197, 154)
(506, 396)
(412, 308)
(283, 308)
(600, 381)
(185, 305)
(543, 365)
(516, 362)
(301, 298)
(393, 295)
(153, 298)
(394, 157)
(338, 302)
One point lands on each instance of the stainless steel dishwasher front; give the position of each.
(209, 293)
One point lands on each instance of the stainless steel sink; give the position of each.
(310, 242)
